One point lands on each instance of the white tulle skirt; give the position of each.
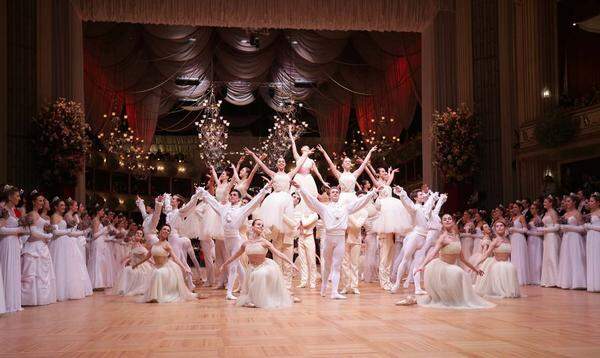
(167, 285)
(551, 247)
(535, 251)
(449, 286)
(193, 226)
(519, 257)
(307, 182)
(132, 282)
(69, 272)
(393, 218)
(593, 260)
(500, 281)
(212, 227)
(571, 263)
(99, 268)
(265, 287)
(485, 267)
(38, 282)
(273, 208)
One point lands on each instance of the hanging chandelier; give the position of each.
(212, 131)
(359, 144)
(120, 141)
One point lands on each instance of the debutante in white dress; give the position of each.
(519, 255)
(593, 254)
(277, 205)
(2, 294)
(551, 247)
(38, 282)
(393, 217)
(166, 281)
(81, 237)
(65, 252)
(571, 262)
(501, 278)
(535, 248)
(264, 285)
(99, 265)
(448, 285)
(10, 261)
(130, 281)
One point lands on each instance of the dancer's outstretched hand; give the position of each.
(320, 148)
(248, 151)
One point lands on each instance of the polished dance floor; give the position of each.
(548, 322)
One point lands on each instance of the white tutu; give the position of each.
(69, 272)
(519, 256)
(211, 225)
(307, 182)
(265, 287)
(449, 286)
(485, 267)
(38, 282)
(167, 285)
(501, 281)
(273, 208)
(571, 263)
(192, 226)
(393, 217)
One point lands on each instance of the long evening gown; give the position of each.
(593, 254)
(166, 282)
(10, 262)
(70, 279)
(130, 281)
(38, 281)
(99, 267)
(571, 262)
(535, 250)
(551, 246)
(519, 255)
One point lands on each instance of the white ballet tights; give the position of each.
(220, 257)
(208, 251)
(333, 252)
(412, 242)
(232, 245)
(420, 257)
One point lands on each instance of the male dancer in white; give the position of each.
(150, 216)
(335, 217)
(416, 238)
(233, 216)
(182, 246)
(434, 227)
(306, 245)
(352, 253)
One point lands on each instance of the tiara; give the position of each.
(550, 196)
(55, 199)
(34, 192)
(595, 193)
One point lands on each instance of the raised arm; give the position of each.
(239, 164)
(185, 210)
(299, 164)
(294, 149)
(139, 202)
(360, 169)
(255, 202)
(310, 200)
(214, 174)
(315, 170)
(360, 202)
(408, 203)
(332, 166)
(251, 175)
(210, 200)
(235, 176)
(428, 206)
(266, 169)
(158, 205)
(372, 176)
(391, 175)
(439, 204)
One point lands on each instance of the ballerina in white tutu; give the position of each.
(243, 177)
(500, 279)
(134, 281)
(304, 177)
(264, 285)
(166, 281)
(447, 284)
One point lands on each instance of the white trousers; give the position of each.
(350, 266)
(371, 264)
(220, 257)
(333, 254)
(235, 269)
(420, 255)
(308, 261)
(208, 251)
(386, 258)
(282, 244)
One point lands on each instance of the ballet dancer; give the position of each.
(150, 217)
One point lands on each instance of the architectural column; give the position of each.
(438, 71)
(464, 53)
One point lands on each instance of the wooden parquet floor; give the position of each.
(548, 322)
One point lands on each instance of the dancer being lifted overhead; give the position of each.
(335, 218)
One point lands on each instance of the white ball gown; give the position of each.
(519, 255)
(535, 251)
(277, 204)
(130, 281)
(2, 293)
(38, 282)
(593, 254)
(448, 285)
(99, 265)
(10, 262)
(166, 281)
(70, 280)
(264, 285)
(501, 278)
(551, 247)
(571, 262)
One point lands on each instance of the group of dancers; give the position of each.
(57, 250)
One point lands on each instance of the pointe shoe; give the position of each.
(420, 292)
(296, 299)
(231, 297)
(356, 291)
(237, 290)
(394, 289)
(313, 286)
(337, 296)
(302, 285)
(410, 300)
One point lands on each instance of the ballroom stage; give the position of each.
(549, 322)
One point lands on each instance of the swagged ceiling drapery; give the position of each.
(136, 66)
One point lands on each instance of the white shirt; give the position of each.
(421, 212)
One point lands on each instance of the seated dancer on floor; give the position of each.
(335, 218)
(447, 284)
(232, 217)
(166, 281)
(264, 285)
(134, 281)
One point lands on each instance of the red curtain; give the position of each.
(142, 115)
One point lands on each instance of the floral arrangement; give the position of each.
(456, 132)
(556, 128)
(62, 142)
